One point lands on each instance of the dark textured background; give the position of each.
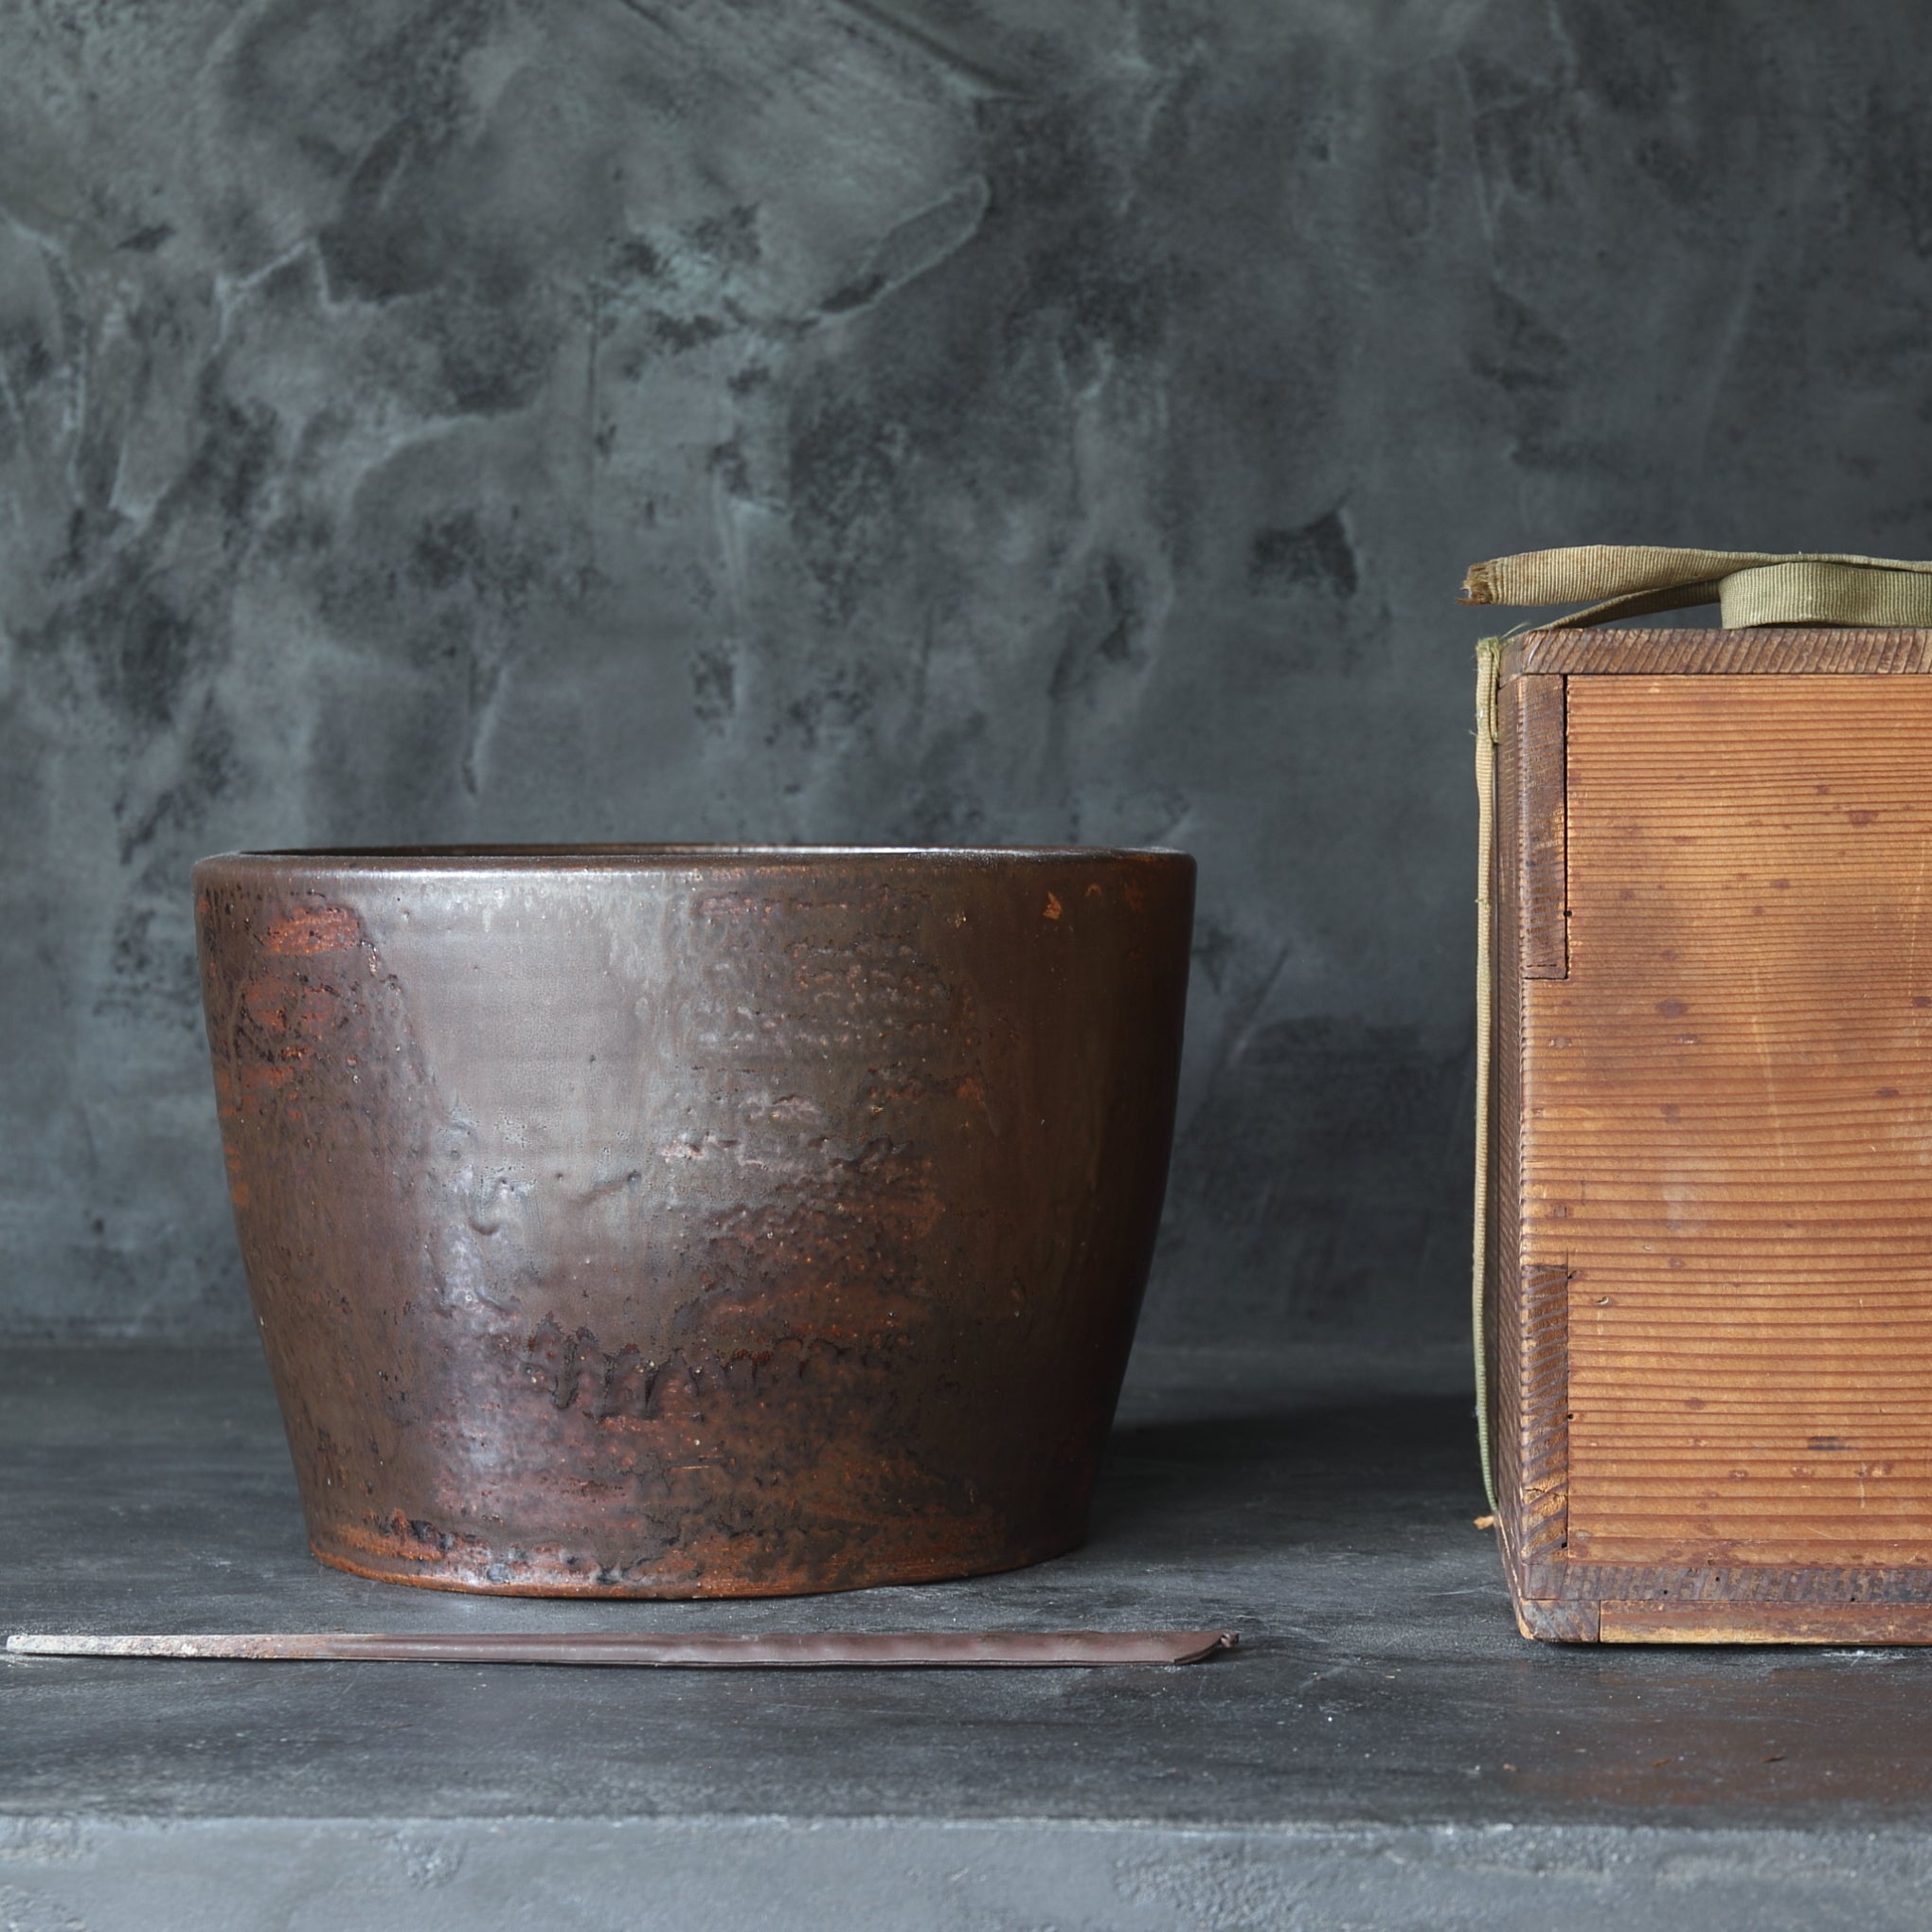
(884, 419)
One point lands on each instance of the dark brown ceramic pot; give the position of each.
(691, 1221)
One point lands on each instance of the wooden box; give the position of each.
(1707, 1278)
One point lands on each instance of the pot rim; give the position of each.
(664, 857)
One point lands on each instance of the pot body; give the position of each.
(694, 1220)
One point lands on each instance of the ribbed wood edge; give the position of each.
(1528, 1306)
(1543, 1426)
(1543, 842)
(1502, 1299)
(1556, 1621)
(1612, 652)
(1847, 1623)
(1812, 1586)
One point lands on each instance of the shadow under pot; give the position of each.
(689, 1221)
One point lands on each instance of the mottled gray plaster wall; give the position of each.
(884, 419)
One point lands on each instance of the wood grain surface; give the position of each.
(1835, 1624)
(1625, 650)
(1726, 1124)
(1542, 864)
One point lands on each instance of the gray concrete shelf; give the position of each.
(1383, 1752)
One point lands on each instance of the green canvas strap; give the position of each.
(1754, 589)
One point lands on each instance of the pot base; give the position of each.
(528, 1579)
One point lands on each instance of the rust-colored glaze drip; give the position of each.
(687, 1222)
(790, 1651)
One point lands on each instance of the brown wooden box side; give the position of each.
(1695, 1586)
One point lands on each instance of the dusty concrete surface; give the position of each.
(882, 419)
(1015, 1875)
(1383, 1752)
